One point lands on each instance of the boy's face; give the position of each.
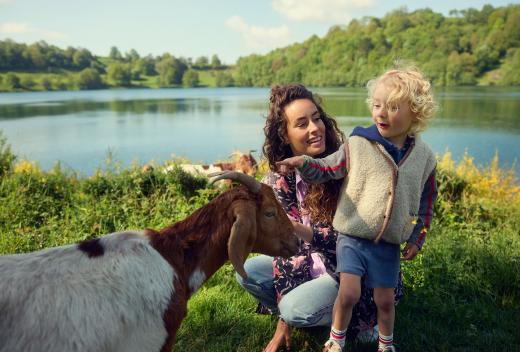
(393, 122)
(305, 128)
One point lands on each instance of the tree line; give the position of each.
(78, 68)
(465, 48)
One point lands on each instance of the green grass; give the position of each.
(462, 292)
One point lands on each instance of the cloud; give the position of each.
(20, 28)
(260, 37)
(331, 11)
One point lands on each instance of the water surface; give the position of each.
(80, 128)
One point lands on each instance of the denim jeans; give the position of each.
(309, 304)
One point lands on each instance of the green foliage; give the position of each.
(455, 50)
(7, 158)
(215, 62)
(223, 79)
(46, 83)
(89, 78)
(190, 78)
(41, 56)
(170, 70)
(120, 74)
(12, 81)
(201, 62)
(115, 54)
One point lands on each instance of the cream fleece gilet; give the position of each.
(379, 199)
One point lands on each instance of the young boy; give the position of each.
(386, 199)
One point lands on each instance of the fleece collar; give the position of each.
(372, 134)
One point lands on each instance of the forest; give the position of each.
(467, 47)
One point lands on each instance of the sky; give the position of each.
(194, 28)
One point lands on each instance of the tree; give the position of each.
(12, 81)
(190, 79)
(215, 61)
(146, 66)
(46, 83)
(170, 70)
(82, 58)
(115, 54)
(132, 55)
(202, 62)
(120, 74)
(89, 78)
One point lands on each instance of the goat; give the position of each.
(128, 291)
(244, 163)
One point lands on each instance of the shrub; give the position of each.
(7, 158)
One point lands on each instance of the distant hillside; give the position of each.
(466, 48)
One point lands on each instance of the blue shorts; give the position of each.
(359, 256)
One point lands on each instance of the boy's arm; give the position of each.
(428, 197)
(321, 170)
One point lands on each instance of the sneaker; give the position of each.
(332, 346)
(368, 336)
(387, 349)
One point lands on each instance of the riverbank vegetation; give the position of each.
(467, 47)
(462, 292)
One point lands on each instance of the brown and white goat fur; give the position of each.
(128, 291)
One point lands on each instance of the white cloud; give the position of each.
(14, 27)
(19, 28)
(260, 37)
(330, 11)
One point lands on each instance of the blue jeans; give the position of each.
(309, 304)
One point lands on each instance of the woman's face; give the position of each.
(305, 128)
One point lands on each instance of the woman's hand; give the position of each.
(281, 337)
(410, 251)
(289, 164)
(302, 231)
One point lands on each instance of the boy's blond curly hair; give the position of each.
(407, 84)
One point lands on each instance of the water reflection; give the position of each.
(133, 107)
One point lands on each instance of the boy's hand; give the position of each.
(410, 251)
(287, 165)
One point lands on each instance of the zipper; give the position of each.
(395, 175)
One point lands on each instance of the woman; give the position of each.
(301, 290)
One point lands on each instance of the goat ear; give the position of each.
(242, 237)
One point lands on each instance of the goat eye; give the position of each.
(270, 214)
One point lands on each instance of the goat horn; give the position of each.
(253, 185)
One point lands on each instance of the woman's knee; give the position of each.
(301, 315)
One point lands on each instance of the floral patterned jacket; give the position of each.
(292, 272)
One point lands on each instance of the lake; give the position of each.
(81, 128)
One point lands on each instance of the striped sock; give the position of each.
(338, 336)
(385, 341)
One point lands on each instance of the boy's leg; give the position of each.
(348, 296)
(384, 299)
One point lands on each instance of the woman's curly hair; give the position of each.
(320, 199)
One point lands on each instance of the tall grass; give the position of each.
(462, 292)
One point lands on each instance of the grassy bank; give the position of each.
(462, 292)
(70, 80)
